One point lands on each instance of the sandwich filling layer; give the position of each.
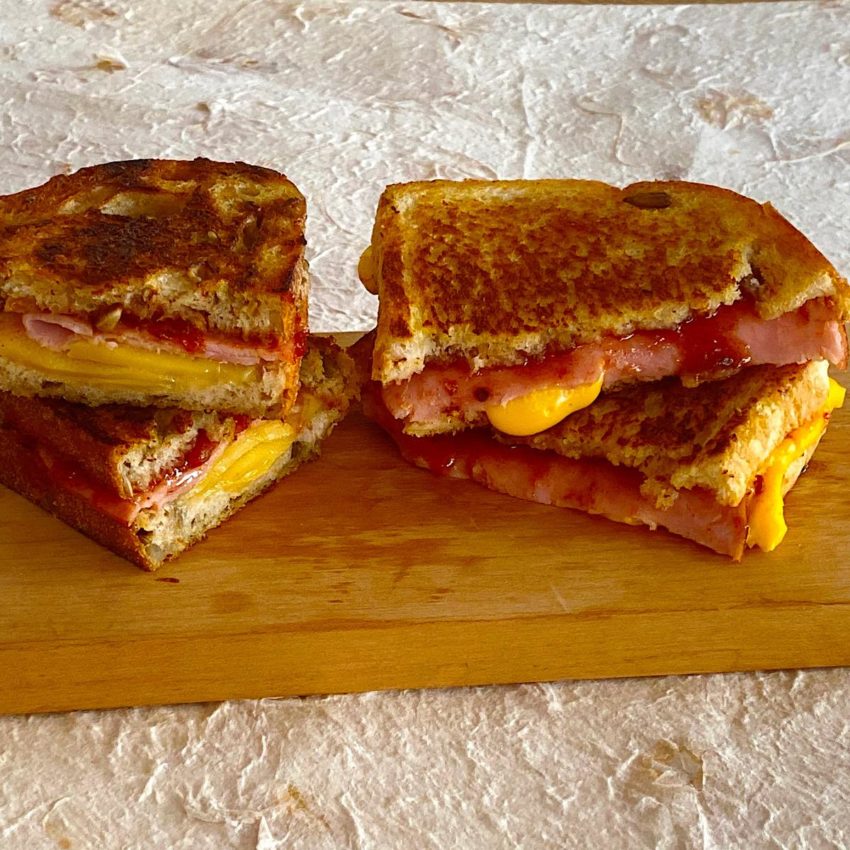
(178, 336)
(227, 467)
(531, 397)
(102, 364)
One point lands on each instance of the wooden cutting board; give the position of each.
(362, 573)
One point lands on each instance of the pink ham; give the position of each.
(734, 337)
(239, 353)
(588, 484)
(74, 481)
(439, 388)
(805, 334)
(54, 331)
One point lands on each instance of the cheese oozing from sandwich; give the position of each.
(249, 457)
(767, 526)
(541, 409)
(108, 366)
(366, 271)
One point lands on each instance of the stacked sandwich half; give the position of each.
(656, 354)
(155, 367)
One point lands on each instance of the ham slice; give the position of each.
(56, 331)
(588, 484)
(71, 479)
(234, 352)
(702, 348)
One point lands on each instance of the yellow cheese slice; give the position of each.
(541, 409)
(119, 367)
(366, 271)
(767, 526)
(249, 457)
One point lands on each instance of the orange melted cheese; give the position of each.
(249, 457)
(541, 409)
(767, 526)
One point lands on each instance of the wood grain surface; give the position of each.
(362, 573)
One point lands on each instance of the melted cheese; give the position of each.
(117, 367)
(541, 409)
(767, 525)
(248, 458)
(836, 396)
(366, 271)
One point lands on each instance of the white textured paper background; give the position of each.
(345, 97)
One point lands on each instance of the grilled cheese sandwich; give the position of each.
(496, 291)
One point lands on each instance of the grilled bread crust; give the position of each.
(495, 272)
(717, 436)
(109, 443)
(20, 472)
(220, 245)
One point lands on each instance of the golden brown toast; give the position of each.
(216, 247)
(57, 454)
(716, 436)
(494, 272)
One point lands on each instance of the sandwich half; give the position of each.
(155, 283)
(147, 482)
(514, 303)
(711, 463)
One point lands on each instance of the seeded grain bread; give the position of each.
(161, 535)
(218, 246)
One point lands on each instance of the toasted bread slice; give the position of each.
(494, 273)
(149, 483)
(715, 437)
(199, 260)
